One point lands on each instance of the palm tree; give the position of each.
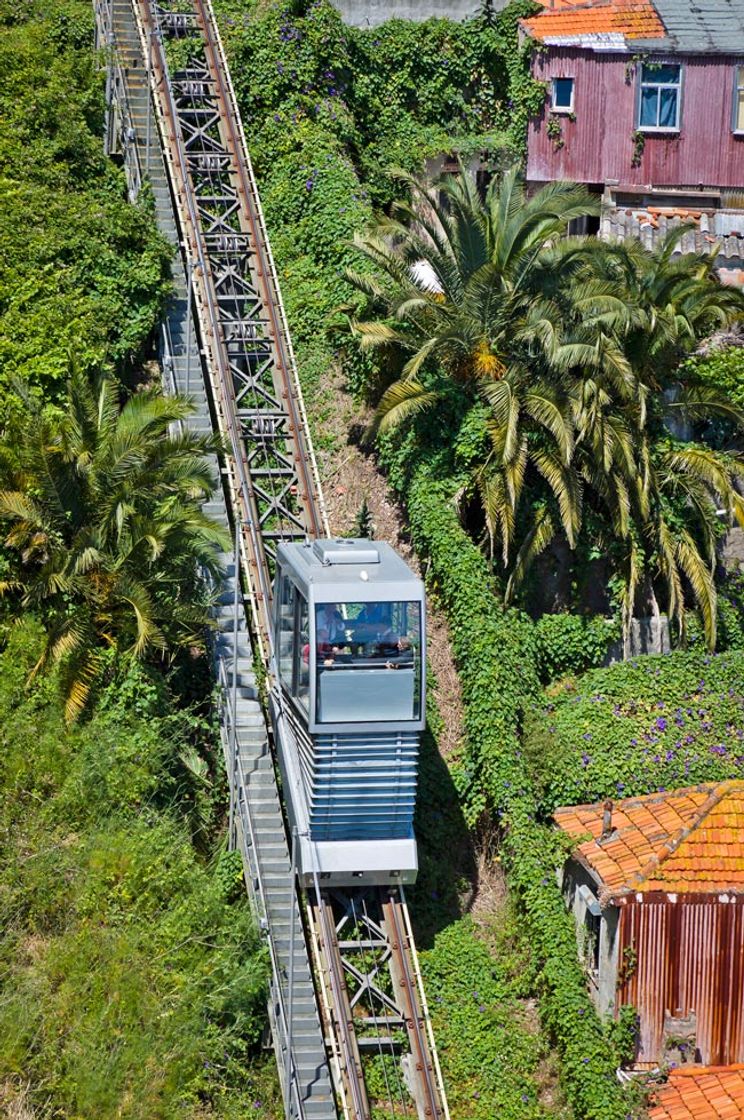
(463, 300)
(565, 352)
(103, 511)
(459, 276)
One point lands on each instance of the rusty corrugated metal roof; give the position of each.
(617, 19)
(678, 841)
(700, 1093)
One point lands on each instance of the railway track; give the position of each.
(370, 1001)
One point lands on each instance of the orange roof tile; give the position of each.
(684, 840)
(630, 19)
(700, 1093)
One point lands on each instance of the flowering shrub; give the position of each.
(651, 724)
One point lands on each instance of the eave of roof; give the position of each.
(681, 841)
(605, 24)
(700, 1093)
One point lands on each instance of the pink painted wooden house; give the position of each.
(644, 103)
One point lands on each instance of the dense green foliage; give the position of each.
(649, 724)
(328, 109)
(722, 370)
(556, 362)
(82, 272)
(571, 643)
(475, 993)
(133, 981)
(105, 531)
(495, 654)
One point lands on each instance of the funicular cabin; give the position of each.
(349, 705)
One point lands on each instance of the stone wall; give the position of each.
(370, 13)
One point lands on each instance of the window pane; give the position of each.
(302, 654)
(739, 114)
(649, 107)
(285, 629)
(368, 662)
(668, 108)
(660, 75)
(562, 93)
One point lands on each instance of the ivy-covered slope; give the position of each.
(650, 724)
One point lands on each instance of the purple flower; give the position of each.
(308, 184)
(587, 735)
(661, 723)
(585, 760)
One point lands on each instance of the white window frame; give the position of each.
(738, 88)
(677, 86)
(562, 108)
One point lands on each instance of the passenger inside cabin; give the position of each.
(330, 628)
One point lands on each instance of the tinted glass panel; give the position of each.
(667, 108)
(368, 662)
(302, 654)
(649, 107)
(285, 629)
(739, 100)
(563, 93)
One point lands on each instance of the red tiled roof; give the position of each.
(700, 1093)
(632, 19)
(684, 840)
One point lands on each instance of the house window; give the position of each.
(739, 99)
(563, 95)
(660, 97)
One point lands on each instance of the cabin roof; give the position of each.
(350, 563)
(672, 26)
(700, 1093)
(680, 841)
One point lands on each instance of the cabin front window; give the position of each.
(659, 108)
(739, 99)
(368, 660)
(562, 100)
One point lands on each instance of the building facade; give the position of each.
(657, 892)
(644, 103)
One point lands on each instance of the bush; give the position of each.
(133, 978)
(571, 643)
(650, 724)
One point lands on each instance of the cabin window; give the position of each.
(301, 675)
(293, 641)
(368, 662)
(285, 628)
(659, 108)
(739, 99)
(562, 100)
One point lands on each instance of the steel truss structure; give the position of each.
(368, 981)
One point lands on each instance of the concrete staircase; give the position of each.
(259, 821)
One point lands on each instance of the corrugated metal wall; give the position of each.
(690, 959)
(599, 144)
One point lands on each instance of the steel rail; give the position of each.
(253, 556)
(356, 1102)
(254, 565)
(429, 1097)
(316, 512)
